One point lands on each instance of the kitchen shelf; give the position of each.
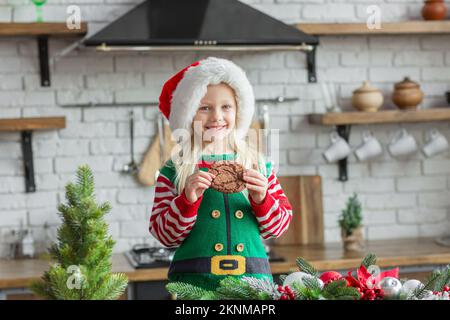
(344, 120)
(26, 126)
(42, 30)
(387, 28)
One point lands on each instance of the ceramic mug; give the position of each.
(402, 144)
(436, 143)
(369, 148)
(338, 149)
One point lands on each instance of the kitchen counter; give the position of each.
(390, 253)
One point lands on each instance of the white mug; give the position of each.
(369, 148)
(338, 149)
(436, 143)
(402, 144)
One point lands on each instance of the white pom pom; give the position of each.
(298, 277)
(411, 285)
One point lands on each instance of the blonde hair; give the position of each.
(247, 154)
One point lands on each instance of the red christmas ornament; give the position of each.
(330, 276)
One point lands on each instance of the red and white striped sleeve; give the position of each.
(275, 213)
(173, 216)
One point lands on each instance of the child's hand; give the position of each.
(257, 185)
(196, 184)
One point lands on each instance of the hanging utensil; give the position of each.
(131, 167)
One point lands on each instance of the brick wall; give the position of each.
(402, 198)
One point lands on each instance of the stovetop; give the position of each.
(144, 256)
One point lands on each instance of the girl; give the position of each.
(216, 234)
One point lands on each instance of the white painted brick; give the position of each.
(99, 163)
(329, 12)
(40, 199)
(74, 97)
(389, 12)
(109, 146)
(134, 229)
(434, 230)
(280, 123)
(110, 114)
(71, 114)
(432, 166)
(325, 58)
(381, 58)
(417, 58)
(436, 74)
(435, 89)
(433, 102)
(115, 180)
(393, 42)
(293, 60)
(58, 81)
(136, 196)
(12, 184)
(8, 113)
(331, 187)
(356, 170)
(421, 183)
(297, 140)
(395, 168)
(84, 65)
(10, 82)
(421, 215)
(129, 213)
(42, 216)
(88, 130)
(249, 61)
(72, 148)
(379, 217)
(390, 201)
(116, 81)
(18, 64)
(392, 232)
(344, 43)
(51, 13)
(268, 91)
(46, 182)
(330, 221)
(100, 13)
(386, 74)
(13, 218)
(288, 13)
(369, 185)
(44, 148)
(305, 157)
(144, 96)
(332, 235)
(5, 14)
(435, 199)
(305, 92)
(350, 59)
(43, 165)
(296, 170)
(334, 203)
(20, 98)
(435, 42)
(338, 74)
(11, 167)
(447, 58)
(283, 76)
(141, 129)
(141, 64)
(10, 149)
(114, 229)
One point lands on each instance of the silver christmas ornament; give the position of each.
(410, 285)
(298, 277)
(391, 287)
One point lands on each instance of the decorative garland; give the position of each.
(366, 283)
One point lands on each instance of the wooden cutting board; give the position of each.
(305, 196)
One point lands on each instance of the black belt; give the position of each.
(221, 265)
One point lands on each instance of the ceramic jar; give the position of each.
(367, 98)
(407, 94)
(434, 10)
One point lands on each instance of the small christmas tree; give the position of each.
(351, 217)
(82, 270)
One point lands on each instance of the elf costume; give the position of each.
(220, 234)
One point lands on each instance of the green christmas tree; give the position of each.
(351, 217)
(82, 255)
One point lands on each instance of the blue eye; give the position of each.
(204, 108)
(227, 106)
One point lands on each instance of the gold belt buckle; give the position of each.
(228, 265)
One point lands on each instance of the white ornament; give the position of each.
(390, 286)
(410, 285)
(298, 277)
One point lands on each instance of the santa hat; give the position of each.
(181, 95)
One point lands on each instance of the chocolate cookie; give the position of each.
(229, 176)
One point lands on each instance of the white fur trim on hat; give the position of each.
(193, 86)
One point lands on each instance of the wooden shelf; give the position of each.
(405, 27)
(40, 29)
(380, 117)
(28, 124)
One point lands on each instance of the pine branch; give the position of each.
(369, 260)
(186, 291)
(306, 267)
(338, 290)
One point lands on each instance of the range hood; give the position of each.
(198, 25)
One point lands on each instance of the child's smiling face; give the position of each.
(217, 112)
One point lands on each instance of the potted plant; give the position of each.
(351, 225)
